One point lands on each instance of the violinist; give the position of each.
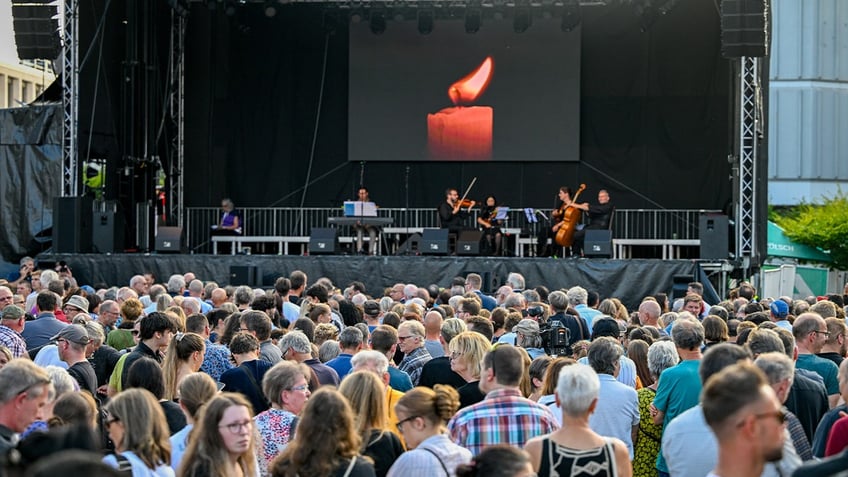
(453, 212)
(492, 234)
(549, 232)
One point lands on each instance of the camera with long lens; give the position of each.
(534, 312)
(556, 339)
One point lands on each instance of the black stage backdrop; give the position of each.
(655, 116)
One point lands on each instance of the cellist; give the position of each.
(549, 232)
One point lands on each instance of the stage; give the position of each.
(628, 280)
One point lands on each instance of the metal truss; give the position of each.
(750, 117)
(176, 116)
(70, 102)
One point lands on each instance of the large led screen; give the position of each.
(494, 95)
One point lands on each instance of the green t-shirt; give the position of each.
(825, 368)
(678, 390)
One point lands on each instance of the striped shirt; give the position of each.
(504, 417)
(13, 340)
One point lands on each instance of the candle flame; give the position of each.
(468, 89)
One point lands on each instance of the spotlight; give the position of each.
(378, 23)
(472, 21)
(522, 20)
(425, 22)
(270, 8)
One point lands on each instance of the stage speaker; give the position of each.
(323, 241)
(679, 286)
(410, 245)
(72, 224)
(468, 242)
(108, 231)
(714, 237)
(597, 243)
(744, 28)
(434, 242)
(169, 239)
(243, 275)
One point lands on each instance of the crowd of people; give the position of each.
(190, 378)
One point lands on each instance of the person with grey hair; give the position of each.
(176, 284)
(617, 411)
(328, 351)
(516, 281)
(438, 370)
(410, 291)
(576, 442)
(515, 300)
(411, 336)
(529, 337)
(680, 386)
(24, 393)
(103, 358)
(578, 328)
(351, 342)
(295, 346)
(242, 297)
(578, 298)
(662, 355)
(780, 372)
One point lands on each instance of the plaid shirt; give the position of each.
(13, 340)
(414, 362)
(504, 417)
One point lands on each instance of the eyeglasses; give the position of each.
(402, 421)
(236, 427)
(302, 387)
(61, 340)
(6, 298)
(134, 332)
(401, 339)
(111, 421)
(825, 333)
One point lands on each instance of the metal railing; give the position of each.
(298, 222)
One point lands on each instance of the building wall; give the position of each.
(808, 110)
(21, 84)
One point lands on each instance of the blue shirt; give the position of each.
(589, 314)
(341, 364)
(38, 332)
(179, 443)
(617, 411)
(398, 380)
(216, 361)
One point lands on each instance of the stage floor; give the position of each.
(629, 280)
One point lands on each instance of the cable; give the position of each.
(315, 130)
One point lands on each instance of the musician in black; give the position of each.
(453, 213)
(492, 234)
(549, 230)
(600, 217)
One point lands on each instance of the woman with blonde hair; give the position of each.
(366, 395)
(222, 445)
(422, 414)
(319, 449)
(286, 385)
(184, 356)
(195, 391)
(136, 425)
(466, 355)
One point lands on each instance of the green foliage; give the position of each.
(822, 225)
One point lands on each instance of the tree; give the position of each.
(822, 225)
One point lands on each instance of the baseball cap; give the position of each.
(78, 302)
(779, 308)
(13, 312)
(526, 327)
(371, 308)
(605, 326)
(74, 334)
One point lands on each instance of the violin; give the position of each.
(465, 203)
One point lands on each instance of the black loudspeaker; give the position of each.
(468, 242)
(434, 242)
(72, 225)
(714, 237)
(108, 235)
(410, 245)
(744, 28)
(323, 240)
(679, 286)
(243, 275)
(169, 239)
(598, 243)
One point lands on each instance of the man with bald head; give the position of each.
(196, 291)
(433, 328)
(810, 331)
(219, 297)
(649, 313)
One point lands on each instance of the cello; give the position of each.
(570, 218)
